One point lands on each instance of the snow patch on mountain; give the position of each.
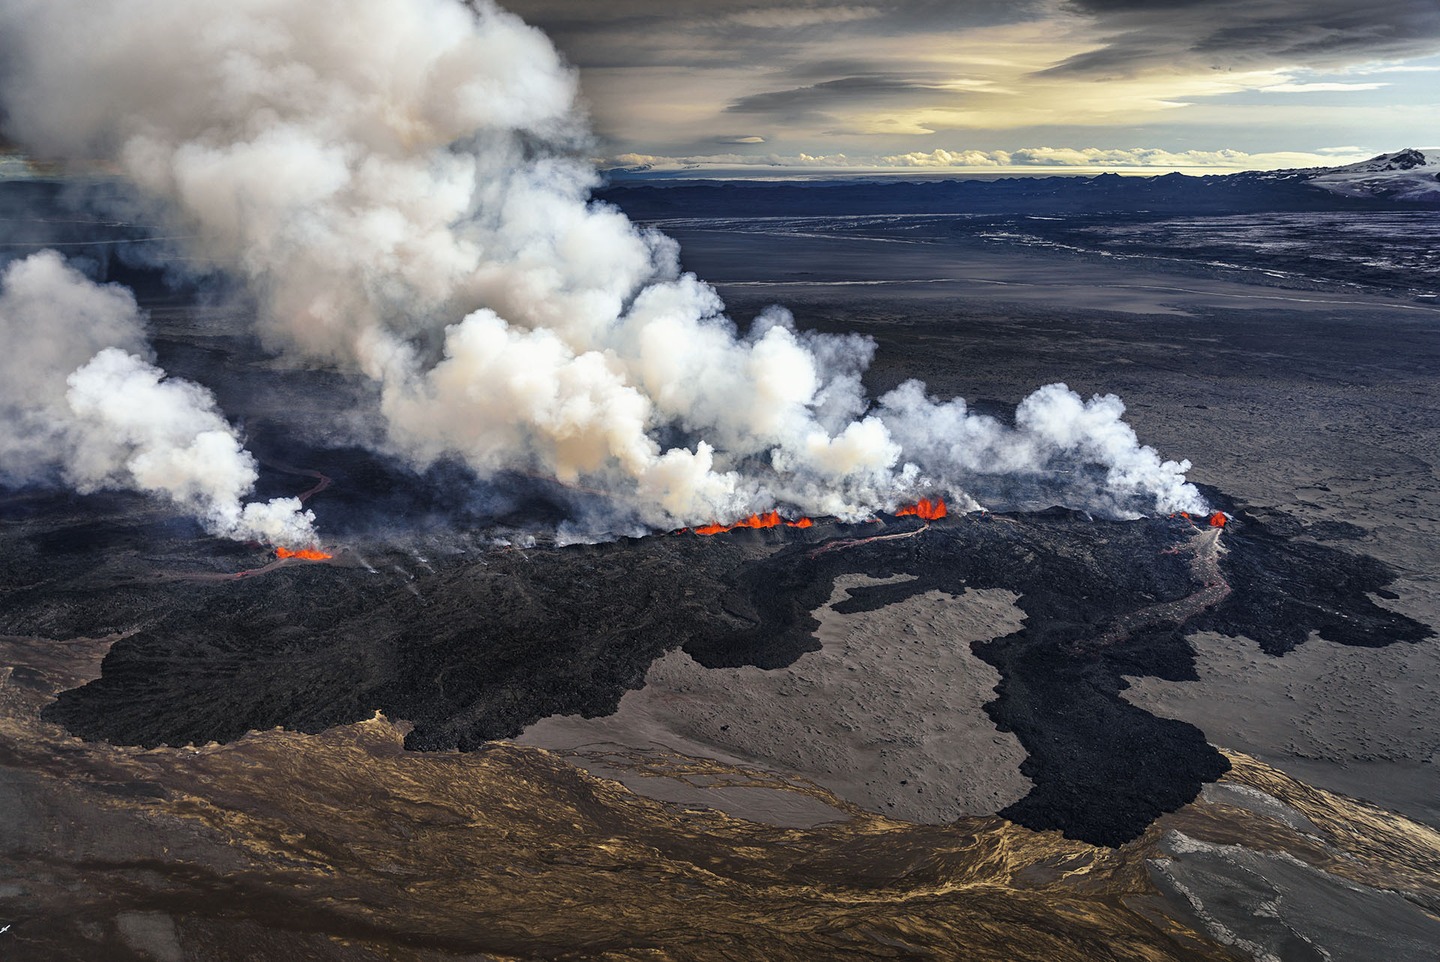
(1406, 175)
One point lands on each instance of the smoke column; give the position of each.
(79, 395)
(399, 182)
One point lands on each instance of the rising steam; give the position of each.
(398, 182)
(78, 396)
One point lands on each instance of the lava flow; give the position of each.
(925, 508)
(305, 554)
(770, 519)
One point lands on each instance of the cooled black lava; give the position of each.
(482, 645)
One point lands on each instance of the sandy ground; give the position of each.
(1270, 905)
(839, 266)
(1364, 721)
(895, 728)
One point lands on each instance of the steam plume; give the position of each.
(399, 183)
(78, 395)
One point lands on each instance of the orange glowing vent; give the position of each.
(925, 508)
(770, 519)
(306, 554)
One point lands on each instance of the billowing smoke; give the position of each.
(399, 183)
(79, 396)
(1056, 434)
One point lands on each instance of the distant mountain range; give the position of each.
(1404, 179)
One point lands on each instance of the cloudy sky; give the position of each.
(1169, 84)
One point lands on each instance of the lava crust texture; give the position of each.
(475, 645)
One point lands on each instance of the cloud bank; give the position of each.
(1060, 158)
(1258, 75)
(1175, 35)
(400, 184)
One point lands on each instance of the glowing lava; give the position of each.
(925, 508)
(770, 519)
(1216, 520)
(305, 554)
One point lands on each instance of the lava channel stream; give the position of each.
(1205, 550)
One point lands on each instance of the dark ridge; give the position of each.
(1169, 195)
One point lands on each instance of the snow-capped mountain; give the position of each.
(1406, 175)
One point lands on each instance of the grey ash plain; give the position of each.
(1304, 392)
(1310, 397)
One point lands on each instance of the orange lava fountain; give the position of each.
(925, 508)
(1218, 519)
(770, 519)
(305, 554)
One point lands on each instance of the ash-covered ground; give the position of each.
(1119, 661)
(475, 645)
(429, 615)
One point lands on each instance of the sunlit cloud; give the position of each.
(883, 78)
(1069, 159)
(1310, 88)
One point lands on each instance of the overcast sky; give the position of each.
(973, 83)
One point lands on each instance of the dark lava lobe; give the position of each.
(1102, 768)
(1294, 586)
(476, 645)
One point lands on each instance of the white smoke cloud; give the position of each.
(77, 396)
(399, 182)
(1055, 431)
